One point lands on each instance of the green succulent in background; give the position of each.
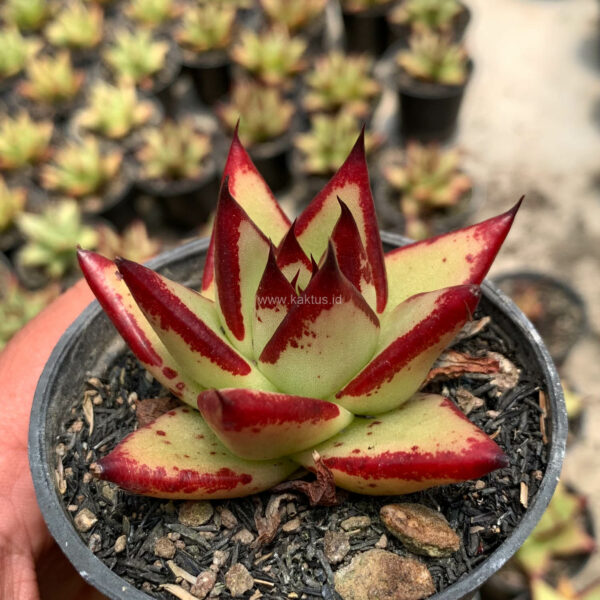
(114, 110)
(206, 27)
(76, 26)
(565, 590)
(12, 204)
(27, 15)
(81, 169)
(23, 141)
(273, 56)
(330, 138)
(427, 14)
(152, 12)
(338, 81)
(51, 80)
(136, 56)
(174, 151)
(293, 14)
(52, 238)
(15, 50)
(434, 58)
(263, 113)
(134, 243)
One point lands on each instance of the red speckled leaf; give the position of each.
(351, 185)
(292, 261)
(188, 325)
(115, 298)
(329, 334)
(178, 456)
(454, 258)
(424, 443)
(412, 337)
(261, 425)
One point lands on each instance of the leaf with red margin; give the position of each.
(351, 184)
(241, 253)
(292, 261)
(253, 194)
(426, 442)
(455, 258)
(273, 300)
(115, 298)
(259, 425)
(179, 457)
(412, 338)
(351, 255)
(328, 335)
(188, 325)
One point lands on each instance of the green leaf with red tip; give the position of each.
(292, 261)
(253, 194)
(259, 425)
(188, 325)
(328, 335)
(351, 185)
(115, 298)
(241, 253)
(412, 337)
(424, 443)
(351, 255)
(274, 297)
(179, 457)
(455, 258)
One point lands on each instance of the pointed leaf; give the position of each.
(412, 337)
(115, 298)
(328, 335)
(274, 297)
(424, 443)
(292, 261)
(208, 275)
(261, 425)
(188, 325)
(178, 456)
(241, 253)
(351, 184)
(454, 258)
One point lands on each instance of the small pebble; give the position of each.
(95, 542)
(291, 525)
(244, 537)
(194, 514)
(120, 544)
(228, 519)
(336, 545)
(85, 519)
(164, 548)
(355, 523)
(382, 542)
(220, 557)
(205, 582)
(238, 580)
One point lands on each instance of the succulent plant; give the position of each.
(328, 141)
(266, 354)
(293, 14)
(52, 238)
(81, 169)
(15, 50)
(565, 590)
(343, 82)
(434, 58)
(114, 111)
(27, 15)
(272, 56)
(134, 243)
(426, 14)
(152, 12)
(136, 56)
(77, 26)
(262, 112)
(174, 151)
(23, 141)
(51, 80)
(206, 27)
(12, 203)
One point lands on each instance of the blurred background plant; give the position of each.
(23, 141)
(76, 26)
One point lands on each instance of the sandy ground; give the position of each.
(531, 125)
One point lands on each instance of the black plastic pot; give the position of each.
(429, 111)
(210, 73)
(367, 30)
(90, 344)
(272, 161)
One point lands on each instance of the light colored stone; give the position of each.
(205, 582)
(120, 544)
(291, 525)
(361, 522)
(238, 580)
(244, 537)
(194, 514)
(336, 544)
(164, 548)
(85, 519)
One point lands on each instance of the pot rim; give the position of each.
(97, 574)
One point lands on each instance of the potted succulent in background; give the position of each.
(153, 13)
(12, 204)
(174, 162)
(365, 25)
(433, 75)
(428, 192)
(134, 243)
(265, 118)
(204, 37)
(15, 51)
(27, 15)
(341, 82)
